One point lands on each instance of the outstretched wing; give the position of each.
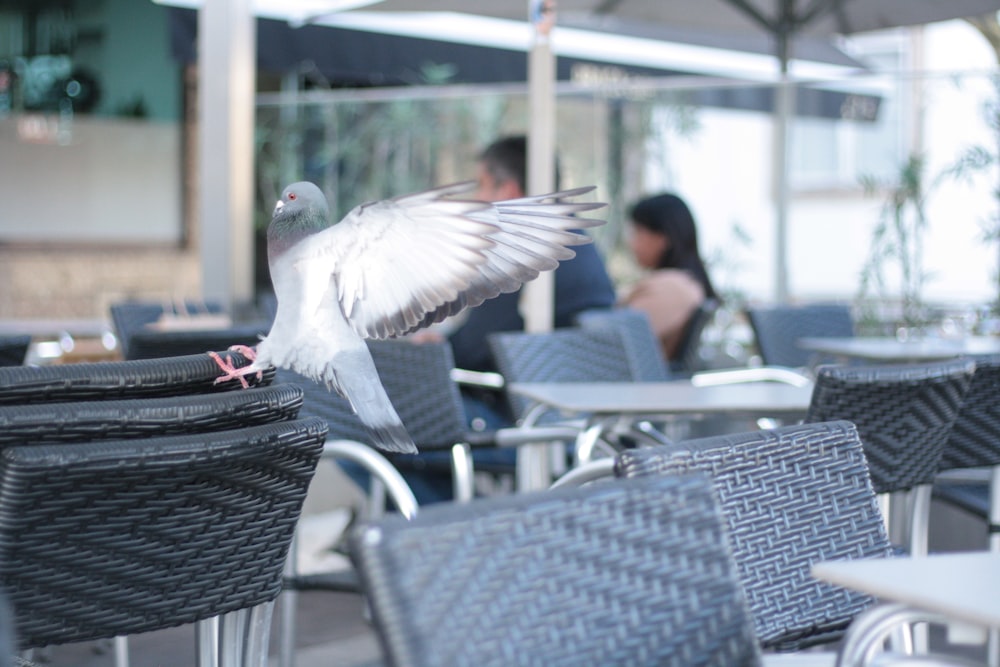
(405, 263)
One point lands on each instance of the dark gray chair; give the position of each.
(86, 421)
(904, 415)
(105, 380)
(131, 317)
(417, 379)
(14, 350)
(790, 497)
(595, 354)
(629, 573)
(687, 359)
(87, 402)
(777, 330)
(138, 340)
(642, 349)
(972, 454)
(117, 537)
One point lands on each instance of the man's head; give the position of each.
(502, 169)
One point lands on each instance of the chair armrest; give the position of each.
(781, 374)
(482, 379)
(379, 467)
(514, 437)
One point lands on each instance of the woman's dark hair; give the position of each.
(669, 216)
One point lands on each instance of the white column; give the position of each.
(227, 46)
(537, 296)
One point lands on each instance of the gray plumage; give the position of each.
(392, 267)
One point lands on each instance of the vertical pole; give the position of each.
(784, 110)
(537, 296)
(226, 83)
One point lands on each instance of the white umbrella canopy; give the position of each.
(781, 21)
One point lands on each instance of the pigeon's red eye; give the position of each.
(291, 195)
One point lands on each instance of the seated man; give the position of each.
(581, 283)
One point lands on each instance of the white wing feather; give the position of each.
(408, 262)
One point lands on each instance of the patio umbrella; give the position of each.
(780, 20)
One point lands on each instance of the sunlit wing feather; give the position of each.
(406, 263)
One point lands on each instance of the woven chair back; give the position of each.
(903, 413)
(687, 358)
(14, 350)
(106, 380)
(777, 330)
(611, 574)
(84, 421)
(118, 537)
(790, 497)
(417, 379)
(645, 356)
(974, 440)
(563, 355)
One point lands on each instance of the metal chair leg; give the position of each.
(121, 651)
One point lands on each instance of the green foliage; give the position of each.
(896, 250)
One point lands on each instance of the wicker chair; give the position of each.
(596, 354)
(904, 416)
(622, 574)
(175, 376)
(14, 350)
(777, 330)
(133, 399)
(138, 340)
(687, 359)
(790, 497)
(417, 379)
(85, 421)
(117, 537)
(974, 443)
(131, 317)
(157, 344)
(643, 351)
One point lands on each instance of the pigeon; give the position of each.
(391, 267)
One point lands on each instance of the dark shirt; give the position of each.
(581, 283)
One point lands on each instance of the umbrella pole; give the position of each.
(537, 302)
(784, 110)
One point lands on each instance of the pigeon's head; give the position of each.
(301, 211)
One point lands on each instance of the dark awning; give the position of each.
(361, 58)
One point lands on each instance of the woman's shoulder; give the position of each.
(672, 279)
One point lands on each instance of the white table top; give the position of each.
(885, 349)
(963, 586)
(675, 397)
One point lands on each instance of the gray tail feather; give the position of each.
(392, 437)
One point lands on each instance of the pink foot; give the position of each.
(230, 372)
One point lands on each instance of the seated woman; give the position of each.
(664, 240)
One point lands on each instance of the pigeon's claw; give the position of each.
(247, 351)
(230, 372)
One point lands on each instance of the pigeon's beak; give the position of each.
(279, 206)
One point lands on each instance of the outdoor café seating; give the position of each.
(14, 350)
(790, 496)
(904, 415)
(628, 573)
(778, 328)
(113, 417)
(418, 380)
